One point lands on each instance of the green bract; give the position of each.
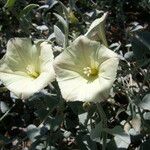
(26, 68)
(86, 70)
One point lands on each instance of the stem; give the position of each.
(104, 124)
(140, 113)
(6, 113)
(66, 37)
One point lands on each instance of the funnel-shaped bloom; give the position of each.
(86, 70)
(26, 68)
(97, 30)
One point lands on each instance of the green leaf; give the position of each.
(28, 9)
(83, 118)
(51, 3)
(9, 4)
(141, 46)
(96, 132)
(114, 131)
(4, 139)
(3, 107)
(145, 103)
(146, 115)
(129, 55)
(62, 20)
(72, 4)
(111, 145)
(90, 143)
(122, 140)
(60, 38)
(51, 102)
(33, 132)
(64, 8)
(80, 142)
(41, 113)
(85, 142)
(41, 101)
(67, 134)
(54, 122)
(145, 145)
(77, 107)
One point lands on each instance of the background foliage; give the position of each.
(46, 121)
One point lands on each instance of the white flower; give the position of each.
(26, 68)
(86, 70)
(97, 30)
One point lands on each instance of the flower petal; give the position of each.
(46, 59)
(24, 87)
(103, 53)
(20, 53)
(108, 69)
(97, 30)
(79, 89)
(83, 53)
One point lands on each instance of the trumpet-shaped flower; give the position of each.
(26, 68)
(86, 70)
(97, 30)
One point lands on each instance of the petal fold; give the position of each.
(97, 30)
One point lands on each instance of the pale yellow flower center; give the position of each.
(90, 72)
(31, 71)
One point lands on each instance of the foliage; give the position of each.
(46, 121)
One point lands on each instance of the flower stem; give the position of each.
(104, 124)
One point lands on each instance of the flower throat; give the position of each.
(31, 71)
